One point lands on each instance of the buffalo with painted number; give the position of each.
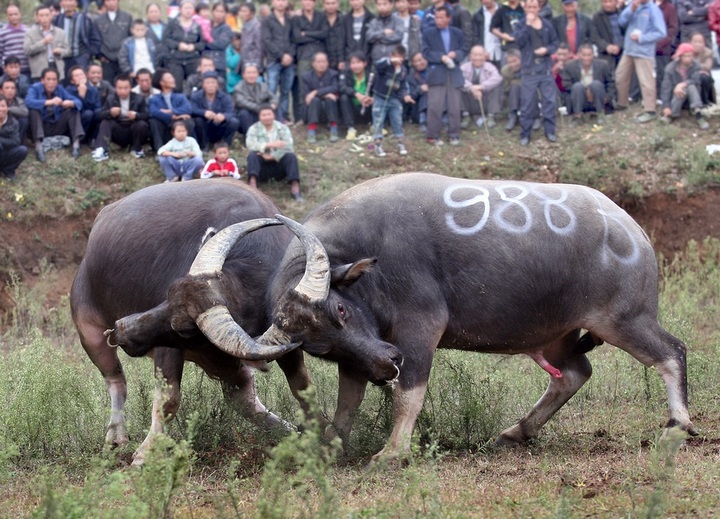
(396, 267)
(140, 260)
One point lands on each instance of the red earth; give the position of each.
(670, 220)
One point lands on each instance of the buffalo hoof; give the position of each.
(511, 437)
(116, 436)
(389, 460)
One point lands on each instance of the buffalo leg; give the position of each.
(241, 390)
(293, 366)
(106, 360)
(351, 391)
(655, 347)
(166, 397)
(576, 371)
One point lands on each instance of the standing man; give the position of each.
(114, 26)
(482, 33)
(53, 112)
(309, 32)
(537, 41)
(251, 49)
(335, 43)
(45, 45)
(572, 28)
(279, 56)
(12, 37)
(644, 26)
(443, 49)
(356, 24)
(665, 47)
(606, 33)
(82, 35)
(505, 20)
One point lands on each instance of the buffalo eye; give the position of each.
(341, 311)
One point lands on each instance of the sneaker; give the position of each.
(454, 141)
(423, 128)
(665, 119)
(524, 141)
(537, 124)
(465, 122)
(402, 150)
(297, 197)
(351, 134)
(334, 134)
(379, 151)
(703, 124)
(551, 137)
(601, 120)
(99, 154)
(646, 117)
(480, 121)
(490, 123)
(139, 154)
(311, 137)
(435, 142)
(512, 121)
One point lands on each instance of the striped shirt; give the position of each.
(11, 44)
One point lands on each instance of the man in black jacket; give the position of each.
(309, 32)
(12, 152)
(124, 121)
(572, 28)
(356, 23)
(606, 33)
(590, 83)
(335, 42)
(114, 26)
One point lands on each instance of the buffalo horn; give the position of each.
(212, 256)
(315, 283)
(218, 325)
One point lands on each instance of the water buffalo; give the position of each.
(393, 268)
(140, 250)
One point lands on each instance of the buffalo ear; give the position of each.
(346, 275)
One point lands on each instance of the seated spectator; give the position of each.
(12, 152)
(95, 78)
(704, 57)
(354, 95)
(320, 86)
(167, 107)
(90, 98)
(389, 91)
(12, 72)
(144, 85)
(53, 112)
(483, 84)
(233, 60)
(511, 86)
(221, 165)
(590, 83)
(194, 82)
(123, 120)
(45, 45)
(138, 51)
(214, 114)
(16, 106)
(270, 144)
(418, 90)
(681, 87)
(180, 158)
(249, 96)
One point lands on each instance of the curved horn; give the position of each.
(212, 256)
(315, 283)
(218, 325)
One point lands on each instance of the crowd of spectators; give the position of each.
(91, 75)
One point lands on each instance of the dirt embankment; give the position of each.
(671, 221)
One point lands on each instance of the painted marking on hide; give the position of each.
(559, 217)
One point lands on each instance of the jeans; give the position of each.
(531, 85)
(277, 75)
(390, 108)
(183, 168)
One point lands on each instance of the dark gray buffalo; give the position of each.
(396, 267)
(139, 256)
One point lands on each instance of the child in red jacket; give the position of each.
(221, 165)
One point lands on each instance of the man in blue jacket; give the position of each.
(442, 47)
(537, 40)
(214, 113)
(167, 107)
(644, 26)
(53, 111)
